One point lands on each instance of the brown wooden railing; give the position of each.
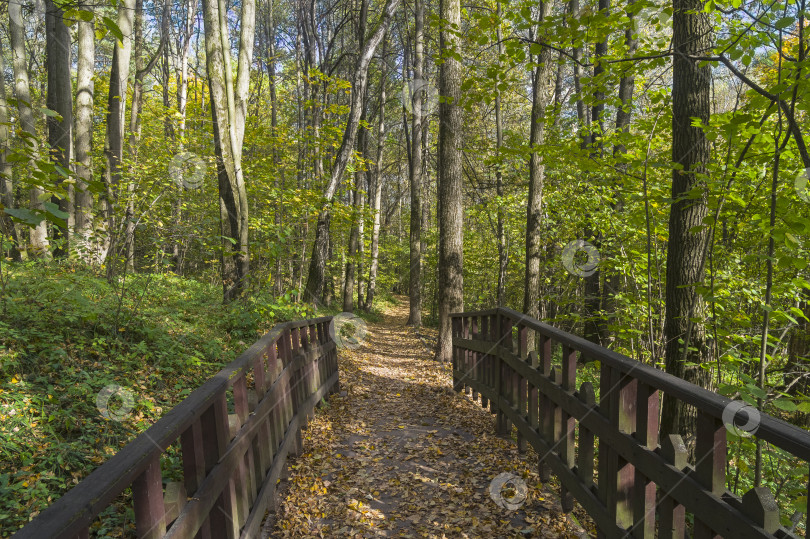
(639, 486)
(234, 433)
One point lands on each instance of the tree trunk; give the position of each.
(376, 193)
(317, 265)
(451, 253)
(350, 272)
(116, 117)
(60, 130)
(38, 235)
(503, 259)
(415, 241)
(595, 323)
(686, 346)
(182, 103)
(85, 66)
(7, 226)
(627, 83)
(541, 86)
(228, 113)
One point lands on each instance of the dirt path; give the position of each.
(398, 454)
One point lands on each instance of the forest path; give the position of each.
(398, 454)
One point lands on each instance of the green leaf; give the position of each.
(24, 216)
(785, 404)
(54, 210)
(113, 28)
(784, 22)
(804, 407)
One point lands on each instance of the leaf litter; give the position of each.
(397, 453)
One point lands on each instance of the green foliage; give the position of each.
(66, 334)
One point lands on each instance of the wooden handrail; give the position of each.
(231, 461)
(639, 476)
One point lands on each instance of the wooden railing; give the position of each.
(638, 486)
(234, 434)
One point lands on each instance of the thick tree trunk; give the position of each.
(116, 117)
(60, 130)
(686, 346)
(38, 235)
(415, 241)
(317, 265)
(228, 113)
(85, 66)
(541, 96)
(451, 216)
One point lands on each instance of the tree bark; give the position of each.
(627, 82)
(60, 130)
(415, 241)
(686, 346)
(541, 96)
(85, 66)
(595, 324)
(376, 192)
(317, 265)
(38, 235)
(7, 226)
(451, 253)
(116, 117)
(228, 114)
(503, 259)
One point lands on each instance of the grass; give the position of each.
(66, 334)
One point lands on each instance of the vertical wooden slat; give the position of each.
(710, 462)
(647, 411)
(625, 420)
(567, 422)
(608, 464)
(216, 435)
(586, 438)
(546, 417)
(760, 506)
(147, 496)
(456, 355)
(194, 467)
(533, 396)
(672, 516)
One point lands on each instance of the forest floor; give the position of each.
(397, 453)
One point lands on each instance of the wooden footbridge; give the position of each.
(235, 433)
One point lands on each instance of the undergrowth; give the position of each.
(66, 334)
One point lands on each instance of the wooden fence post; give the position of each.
(710, 462)
(568, 422)
(672, 515)
(760, 506)
(147, 495)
